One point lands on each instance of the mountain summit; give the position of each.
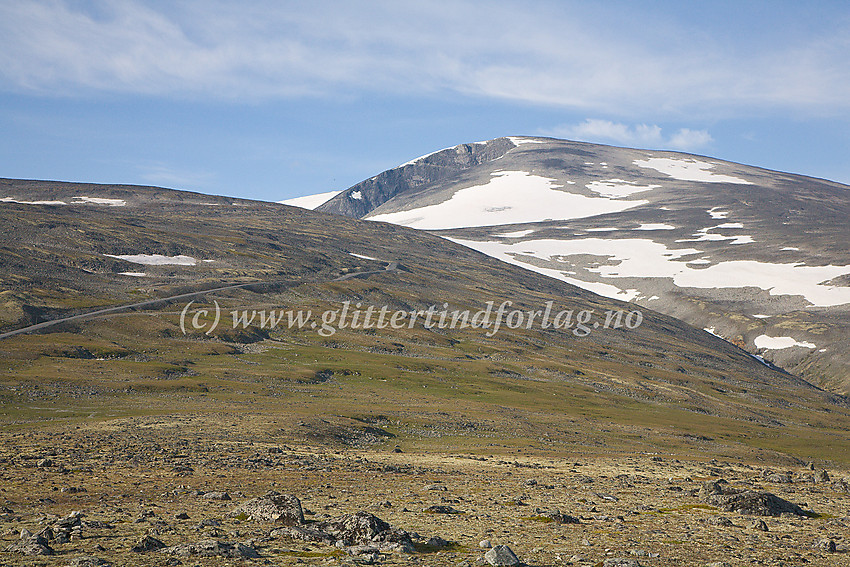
(757, 257)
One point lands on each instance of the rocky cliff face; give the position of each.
(410, 178)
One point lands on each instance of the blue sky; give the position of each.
(276, 99)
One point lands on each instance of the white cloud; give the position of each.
(602, 58)
(640, 135)
(167, 176)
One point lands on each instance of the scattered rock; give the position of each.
(620, 562)
(485, 544)
(759, 525)
(822, 476)
(213, 548)
(556, 516)
(148, 543)
(272, 507)
(216, 496)
(720, 521)
(779, 478)
(826, 545)
(501, 555)
(436, 543)
(88, 561)
(360, 528)
(440, 509)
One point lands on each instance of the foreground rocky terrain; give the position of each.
(205, 491)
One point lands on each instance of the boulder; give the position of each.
(749, 502)
(213, 548)
(272, 507)
(32, 545)
(146, 544)
(501, 555)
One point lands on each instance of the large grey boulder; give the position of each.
(272, 507)
(749, 502)
(501, 555)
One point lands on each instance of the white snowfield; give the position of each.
(77, 201)
(618, 188)
(11, 200)
(361, 256)
(155, 259)
(310, 201)
(356, 195)
(688, 170)
(511, 197)
(778, 343)
(641, 258)
(100, 201)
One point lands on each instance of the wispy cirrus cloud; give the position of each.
(161, 174)
(639, 135)
(560, 53)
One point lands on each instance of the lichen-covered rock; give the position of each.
(350, 530)
(213, 548)
(146, 544)
(303, 534)
(272, 507)
(32, 545)
(354, 529)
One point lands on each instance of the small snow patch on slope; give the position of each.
(511, 197)
(361, 256)
(155, 259)
(655, 226)
(777, 343)
(688, 170)
(520, 140)
(356, 195)
(517, 234)
(310, 201)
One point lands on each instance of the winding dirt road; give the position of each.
(391, 266)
